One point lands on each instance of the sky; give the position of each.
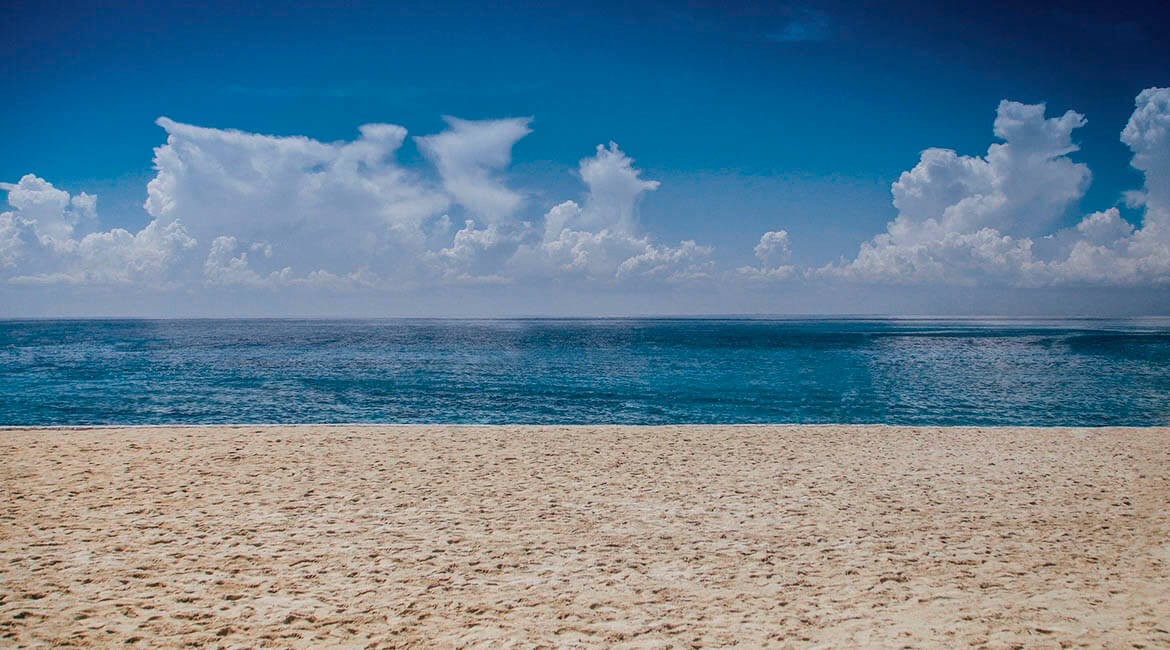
(505, 159)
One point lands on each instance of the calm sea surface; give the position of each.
(635, 371)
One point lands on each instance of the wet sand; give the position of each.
(585, 536)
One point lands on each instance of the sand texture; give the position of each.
(585, 536)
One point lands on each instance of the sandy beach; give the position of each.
(784, 536)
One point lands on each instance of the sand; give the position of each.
(358, 536)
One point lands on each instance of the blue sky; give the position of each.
(753, 118)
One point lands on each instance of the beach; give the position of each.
(551, 536)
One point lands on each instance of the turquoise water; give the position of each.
(636, 371)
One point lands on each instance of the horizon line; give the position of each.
(714, 316)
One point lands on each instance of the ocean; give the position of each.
(627, 371)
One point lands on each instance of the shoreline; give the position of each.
(585, 535)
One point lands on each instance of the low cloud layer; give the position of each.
(233, 209)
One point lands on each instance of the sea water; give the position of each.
(630, 371)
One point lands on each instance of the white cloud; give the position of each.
(965, 220)
(477, 255)
(773, 248)
(1103, 228)
(615, 187)
(38, 243)
(764, 274)
(1111, 251)
(361, 278)
(117, 256)
(939, 256)
(597, 242)
(335, 206)
(687, 261)
(50, 212)
(469, 157)
(1148, 134)
(234, 209)
(1021, 185)
(347, 209)
(773, 251)
(223, 267)
(275, 211)
(610, 255)
(11, 245)
(600, 240)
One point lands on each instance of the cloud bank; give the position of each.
(230, 209)
(973, 220)
(39, 245)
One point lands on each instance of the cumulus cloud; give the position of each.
(972, 220)
(1110, 250)
(478, 255)
(224, 267)
(285, 211)
(1104, 228)
(615, 187)
(599, 241)
(773, 248)
(49, 212)
(228, 208)
(773, 251)
(1148, 134)
(10, 242)
(39, 243)
(117, 257)
(314, 205)
(334, 206)
(687, 261)
(957, 214)
(609, 255)
(227, 265)
(470, 156)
